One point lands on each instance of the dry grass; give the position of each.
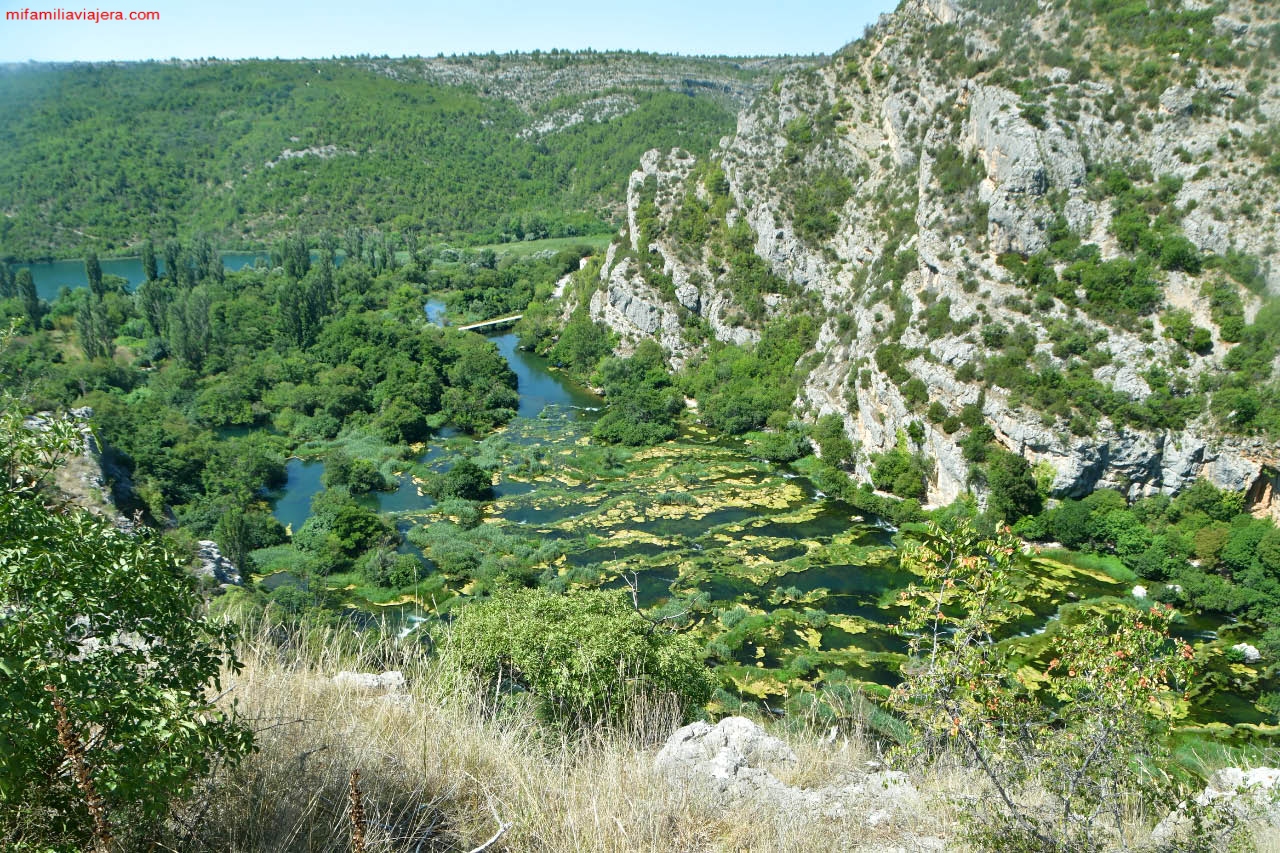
(446, 765)
(440, 768)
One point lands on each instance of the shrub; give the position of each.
(955, 172)
(584, 656)
(1086, 732)
(642, 403)
(465, 480)
(358, 475)
(900, 473)
(832, 441)
(1012, 491)
(818, 203)
(112, 621)
(781, 446)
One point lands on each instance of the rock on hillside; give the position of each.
(87, 478)
(533, 80)
(1060, 220)
(732, 762)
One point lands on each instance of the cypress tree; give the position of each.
(172, 253)
(93, 273)
(30, 299)
(149, 261)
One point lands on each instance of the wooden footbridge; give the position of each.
(489, 324)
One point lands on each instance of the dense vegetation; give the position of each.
(107, 667)
(247, 151)
(585, 657)
(203, 382)
(1203, 549)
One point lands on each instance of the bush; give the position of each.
(338, 530)
(584, 656)
(642, 403)
(465, 480)
(901, 473)
(358, 475)
(1085, 732)
(782, 446)
(818, 202)
(112, 621)
(832, 441)
(1012, 491)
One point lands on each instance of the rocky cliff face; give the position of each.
(971, 172)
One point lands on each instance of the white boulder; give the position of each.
(1248, 796)
(1251, 653)
(369, 682)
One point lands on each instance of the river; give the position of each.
(805, 587)
(799, 587)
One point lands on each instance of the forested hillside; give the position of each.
(104, 156)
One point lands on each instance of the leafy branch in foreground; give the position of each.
(1070, 752)
(102, 648)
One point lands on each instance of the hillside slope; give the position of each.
(1044, 227)
(492, 148)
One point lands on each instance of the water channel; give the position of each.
(699, 517)
(702, 518)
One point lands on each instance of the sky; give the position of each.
(233, 29)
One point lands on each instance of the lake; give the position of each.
(49, 276)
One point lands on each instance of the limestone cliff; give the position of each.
(971, 173)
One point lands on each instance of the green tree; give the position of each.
(1011, 487)
(149, 261)
(235, 539)
(26, 287)
(643, 405)
(835, 445)
(465, 480)
(93, 273)
(93, 325)
(153, 298)
(1085, 733)
(172, 255)
(109, 624)
(358, 475)
(339, 529)
(581, 345)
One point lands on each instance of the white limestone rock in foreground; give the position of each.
(731, 762)
(1248, 796)
(369, 682)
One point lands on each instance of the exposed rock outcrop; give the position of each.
(86, 477)
(1247, 796)
(392, 681)
(948, 173)
(732, 763)
(213, 565)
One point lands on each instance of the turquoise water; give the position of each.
(292, 504)
(540, 386)
(52, 275)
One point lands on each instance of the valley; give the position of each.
(919, 403)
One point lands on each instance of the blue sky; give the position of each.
(193, 29)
